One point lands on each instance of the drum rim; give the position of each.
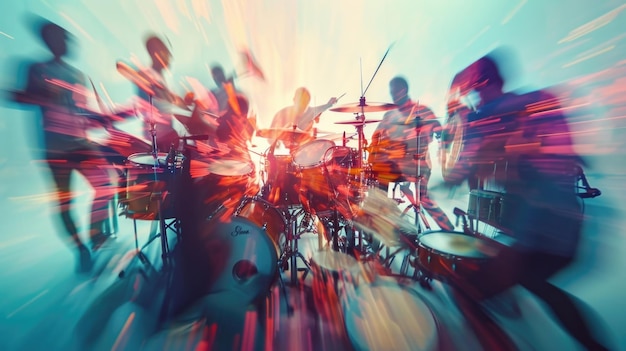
(303, 147)
(450, 255)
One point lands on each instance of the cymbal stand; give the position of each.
(416, 204)
(359, 163)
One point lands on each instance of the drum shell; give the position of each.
(241, 248)
(281, 182)
(146, 182)
(330, 183)
(494, 208)
(225, 187)
(441, 264)
(485, 271)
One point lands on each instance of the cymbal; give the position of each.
(364, 107)
(358, 122)
(415, 122)
(282, 133)
(336, 136)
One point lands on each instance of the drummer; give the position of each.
(299, 116)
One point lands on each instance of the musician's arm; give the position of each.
(313, 113)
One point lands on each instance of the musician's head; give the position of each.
(399, 90)
(217, 72)
(301, 98)
(159, 53)
(488, 81)
(55, 38)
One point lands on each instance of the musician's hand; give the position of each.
(189, 98)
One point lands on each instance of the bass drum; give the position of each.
(242, 248)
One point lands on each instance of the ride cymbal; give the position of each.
(356, 123)
(364, 107)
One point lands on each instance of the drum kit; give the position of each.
(253, 233)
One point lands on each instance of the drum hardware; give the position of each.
(364, 107)
(291, 253)
(418, 178)
(589, 192)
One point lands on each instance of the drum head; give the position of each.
(230, 167)
(387, 316)
(147, 159)
(312, 153)
(452, 243)
(240, 257)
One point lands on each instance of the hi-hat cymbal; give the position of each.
(358, 122)
(282, 133)
(364, 107)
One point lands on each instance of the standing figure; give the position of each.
(400, 149)
(546, 221)
(162, 103)
(59, 89)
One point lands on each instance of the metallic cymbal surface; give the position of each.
(281, 133)
(358, 122)
(364, 107)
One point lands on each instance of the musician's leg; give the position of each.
(538, 268)
(427, 203)
(61, 175)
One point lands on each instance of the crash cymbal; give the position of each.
(281, 133)
(364, 107)
(354, 123)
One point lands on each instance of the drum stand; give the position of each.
(174, 224)
(291, 253)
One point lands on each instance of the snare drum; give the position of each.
(444, 254)
(147, 180)
(241, 248)
(325, 171)
(281, 183)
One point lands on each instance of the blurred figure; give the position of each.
(224, 87)
(300, 116)
(400, 149)
(530, 134)
(230, 178)
(154, 90)
(59, 90)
